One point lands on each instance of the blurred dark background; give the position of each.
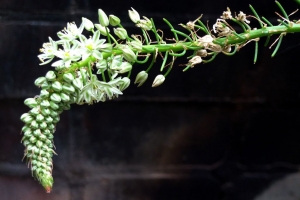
(225, 130)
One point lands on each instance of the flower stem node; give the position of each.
(103, 19)
(159, 79)
(114, 20)
(141, 78)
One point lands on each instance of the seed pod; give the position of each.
(56, 86)
(30, 102)
(68, 77)
(44, 93)
(50, 76)
(77, 83)
(64, 97)
(45, 111)
(39, 118)
(39, 81)
(53, 105)
(55, 98)
(45, 103)
(68, 88)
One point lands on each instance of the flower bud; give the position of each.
(24, 115)
(43, 125)
(30, 102)
(33, 139)
(125, 82)
(25, 128)
(34, 124)
(88, 25)
(68, 88)
(35, 111)
(45, 103)
(55, 98)
(134, 15)
(77, 83)
(194, 61)
(39, 144)
(27, 119)
(45, 111)
(114, 20)
(125, 67)
(49, 120)
(102, 29)
(39, 81)
(39, 118)
(145, 24)
(50, 76)
(45, 85)
(136, 44)
(141, 78)
(44, 93)
(53, 113)
(56, 119)
(128, 54)
(66, 106)
(68, 77)
(56, 86)
(103, 19)
(53, 105)
(121, 33)
(159, 79)
(64, 97)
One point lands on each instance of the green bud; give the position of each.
(34, 124)
(56, 86)
(53, 113)
(39, 81)
(46, 85)
(68, 88)
(128, 54)
(77, 83)
(134, 15)
(43, 125)
(35, 111)
(53, 105)
(25, 128)
(33, 139)
(28, 133)
(30, 102)
(88, 25)
(141, 78)
(102, 29)
(39, 118)
(45, 111)
(44, 93)
(37, 132)
(49, 120)
(27, 119)
(159, 79)
(47, 132)
(64, 97)
(136, 45)
(42, 137)
(39, 143)
(24, 115)
(114, 20)
(50, 76)
(125, 82)
(103, 19)
(125, 67)
(68, 77)
(121, 33)
(45, 103)
(50, 137)
(55, 98)
(66, 106)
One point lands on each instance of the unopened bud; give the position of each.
(114, 20)
(103, 19)
(141, 78)
(121, 33)
(134, 15)
(88, 25)
(159, 79)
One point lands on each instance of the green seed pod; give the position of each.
(46, 85)
(77, 83)
(39, 81)
(68, 77)
(43, 125)
(33, 139)
(64, 97)
(68, 88)
(53, 105)
(39, 118)
(30, 102)
(45, 111)
(56, 86)
(55, 98)
(44, 93)
(35, 111)
(37, 132)
(49, 120)
(28, 119)
(50, 76)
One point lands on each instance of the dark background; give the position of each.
(224, 130)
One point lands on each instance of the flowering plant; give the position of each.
(97, 67)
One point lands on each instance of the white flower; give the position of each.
(71, 32)
(67, 55)
(48, 52)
